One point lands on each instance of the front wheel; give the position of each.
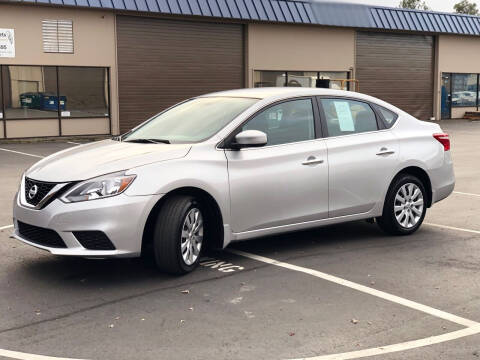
(405, 206)
(179, 234)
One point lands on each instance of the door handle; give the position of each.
(385, 151)
(312, 160)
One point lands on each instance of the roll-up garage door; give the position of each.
(397, 68)
(162, 62)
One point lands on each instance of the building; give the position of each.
(80, 67)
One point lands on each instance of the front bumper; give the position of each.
(122, 218)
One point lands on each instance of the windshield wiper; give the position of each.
(153, 141)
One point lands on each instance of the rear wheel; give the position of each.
(179, 234)
(405, 206)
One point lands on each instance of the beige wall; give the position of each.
(94, 44)
(301, 48)
(85, 126)
(32, 128)
(456, 54)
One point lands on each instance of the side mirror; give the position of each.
(249, 138)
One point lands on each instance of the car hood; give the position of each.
(103, 157)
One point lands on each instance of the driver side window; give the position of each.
(287, 122)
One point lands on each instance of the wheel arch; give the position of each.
(422, 175)
(214, 216)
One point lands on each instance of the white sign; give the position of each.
(7, 43)
(344, 114)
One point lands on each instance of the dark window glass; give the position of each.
(464, 90)
(269, 78)
(346, 117)
(389, 117)
(299, 78)
(84, 91)
(335, 77)
(30, 92)
(2, 115)
(302, 79)
(288, 122)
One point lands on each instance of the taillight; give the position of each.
(444, 140)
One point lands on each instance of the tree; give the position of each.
(414, 4)
(466, 7)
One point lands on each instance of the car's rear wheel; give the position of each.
(405, 206)
(179, 235)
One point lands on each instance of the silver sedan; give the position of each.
(232, 166)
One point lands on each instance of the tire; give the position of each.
(412, 190)
(169, 242)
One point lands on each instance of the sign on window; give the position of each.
(7, 43)
(345, 119)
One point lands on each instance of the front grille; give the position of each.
(42, 189)
(94, 240)
(40, 236)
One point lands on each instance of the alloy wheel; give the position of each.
(408, 206)
(192, 236)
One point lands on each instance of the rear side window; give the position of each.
(389, 117)
(345, 117)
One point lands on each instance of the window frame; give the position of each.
(285, 72)
(378, 108)
(225, 144)
(58, 113)
(452, 76)
(380, 125)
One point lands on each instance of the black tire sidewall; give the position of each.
(167, 235)
(388, 218)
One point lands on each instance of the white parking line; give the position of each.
(409, 345)
(74, 143)
(465, 193)
(26, 356)
(22, 153)
(362, 288)
(5, 227)
(453, 228)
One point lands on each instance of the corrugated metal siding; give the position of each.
(424, 21)
(397, 68)
(264, 10)
(162, 62)
(296, 11)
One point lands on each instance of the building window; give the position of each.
(299, 78)
(464, 90)
(30, 92)
(36, 92)
(57, 36)
(84, 91)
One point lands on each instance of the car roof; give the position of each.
(267, 92)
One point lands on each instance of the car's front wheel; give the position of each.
(179, 234)
(405, 206)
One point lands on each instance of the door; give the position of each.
(446, 96)
(397, 68)
(164, 61)
(362, 156)
(286, 181)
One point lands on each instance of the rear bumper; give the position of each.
(122, 218)
(443, 179)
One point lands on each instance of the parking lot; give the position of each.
(339, 292)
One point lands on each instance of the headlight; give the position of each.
(99, 188)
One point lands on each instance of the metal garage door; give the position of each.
(397, 68)
(161, 62)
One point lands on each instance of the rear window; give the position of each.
(389, 117)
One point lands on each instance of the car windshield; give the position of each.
(191, 121)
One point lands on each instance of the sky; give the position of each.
(436, 5)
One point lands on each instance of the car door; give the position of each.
(362, 155)
(285, 181)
